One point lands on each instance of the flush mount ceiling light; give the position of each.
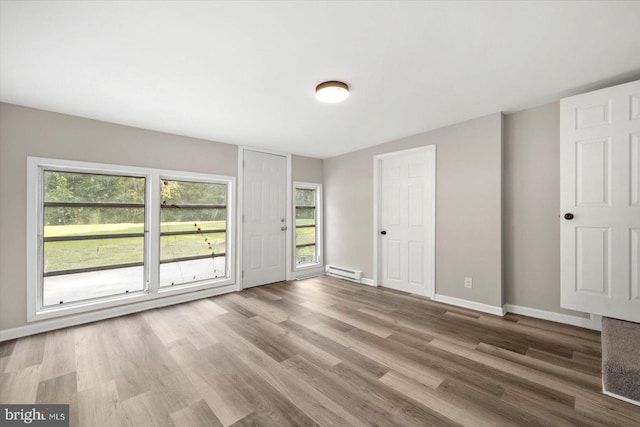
(332, 92)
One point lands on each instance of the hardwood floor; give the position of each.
(315, 352)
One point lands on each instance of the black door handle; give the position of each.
(383, 232)
(568, 216)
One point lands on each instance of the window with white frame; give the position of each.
(104, 235)
(308, 214)
(193, 228)
(93, 235)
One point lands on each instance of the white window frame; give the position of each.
(192, 178)
(319, 228)
(152, 291)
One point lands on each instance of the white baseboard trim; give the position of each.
(591, 323)
(485, 308)
(78, 319)
(617, 396)
(367, 281)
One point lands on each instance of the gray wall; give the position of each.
(29, 132)
(468, 196)
(468, 212)
(307, 169)
(531, 203)
(532, 208)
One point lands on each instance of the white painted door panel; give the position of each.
(264, 206)
(600, 186)
(407, 201)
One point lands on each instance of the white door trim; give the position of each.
(239, 222)
(376, 216)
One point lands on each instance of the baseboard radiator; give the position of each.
(344, 273)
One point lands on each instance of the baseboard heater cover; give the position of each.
(309, 275)
(344, 273)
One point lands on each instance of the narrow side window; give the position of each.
(308, 234)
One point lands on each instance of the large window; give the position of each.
(93, 236)
(193, 228)
(308, 198)
(105, 235)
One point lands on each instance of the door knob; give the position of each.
(383, 232)
(568, 216)
(283, 228)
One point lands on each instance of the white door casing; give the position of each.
(264, 222)
(600, 187)
(405, 213)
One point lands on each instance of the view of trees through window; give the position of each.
(94, 234)
(193, 223)
(92, 222)
(306, 251)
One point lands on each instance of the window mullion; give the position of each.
(152, 230)
(105, 236)
(40, 243)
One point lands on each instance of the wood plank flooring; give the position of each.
(315, 352)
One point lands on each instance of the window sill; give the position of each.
(308, 266)
(123, 300)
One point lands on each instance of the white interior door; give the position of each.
(600, 202)
(406, 192)
(264, 219)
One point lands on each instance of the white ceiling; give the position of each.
(245, 72)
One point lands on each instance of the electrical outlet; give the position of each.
(468, 282)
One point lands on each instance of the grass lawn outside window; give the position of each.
(107, 235)
(308, 225)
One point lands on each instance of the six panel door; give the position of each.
(600, 202)
(407, 197)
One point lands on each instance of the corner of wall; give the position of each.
(502, 211)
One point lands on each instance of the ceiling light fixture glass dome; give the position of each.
(332, 92)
